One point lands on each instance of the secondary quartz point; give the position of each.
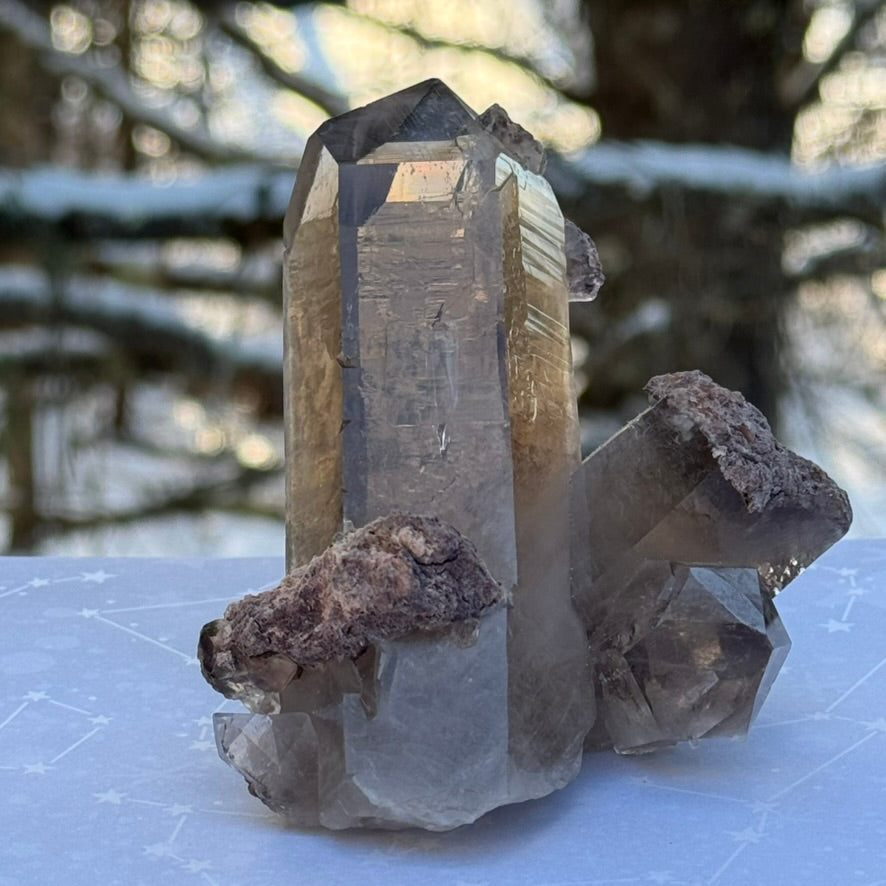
(583, 268)
(684, 653)
(428, 370)
(516, 141)
(699, 516)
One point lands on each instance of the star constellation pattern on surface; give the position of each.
(109, 769)
(847, 591)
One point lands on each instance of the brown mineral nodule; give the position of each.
(396, 575)
(755, 464)
(699, 478)
(517, 142)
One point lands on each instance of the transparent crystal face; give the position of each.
(699, 664)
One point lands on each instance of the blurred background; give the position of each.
(729, 158)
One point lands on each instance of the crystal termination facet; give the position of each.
(698, 516)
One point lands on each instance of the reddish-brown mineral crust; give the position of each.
(698, 517)
(762, 471)
(396, 575)
(517, 142)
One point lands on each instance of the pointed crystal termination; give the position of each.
(698, 516)
(428, 370)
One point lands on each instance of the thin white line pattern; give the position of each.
(86, 656)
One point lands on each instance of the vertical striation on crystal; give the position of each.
(428, 370)
(698, 517)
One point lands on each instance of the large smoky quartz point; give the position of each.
(428, 370)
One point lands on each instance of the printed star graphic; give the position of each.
(748, 835)
(36, 769)
(834, 626)
(176, 809)
(159, 850)
(195, 866)
(35, 696)
(88, 613)
(878, 725)
(38, 582)
(100, 720)
(111, 796)
(200, 745)
(99, 577)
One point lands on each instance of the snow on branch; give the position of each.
(643, 169)
(87, 205)
(137, 319)
(91, 205)
(112, 83)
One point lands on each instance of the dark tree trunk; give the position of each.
(19, 439)
(703, 72)
(27, 97)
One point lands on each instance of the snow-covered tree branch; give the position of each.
(90, 205)
(136, 320)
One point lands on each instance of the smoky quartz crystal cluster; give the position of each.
(468, 606)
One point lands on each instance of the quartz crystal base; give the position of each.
(413, 734)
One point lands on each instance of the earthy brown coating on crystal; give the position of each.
(762, 471)
(517, 142)
(396, 575)
(698, 478)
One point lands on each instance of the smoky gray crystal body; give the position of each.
(428, 370)
(422, 670)
(413, 734)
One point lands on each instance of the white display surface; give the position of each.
(109, 771)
